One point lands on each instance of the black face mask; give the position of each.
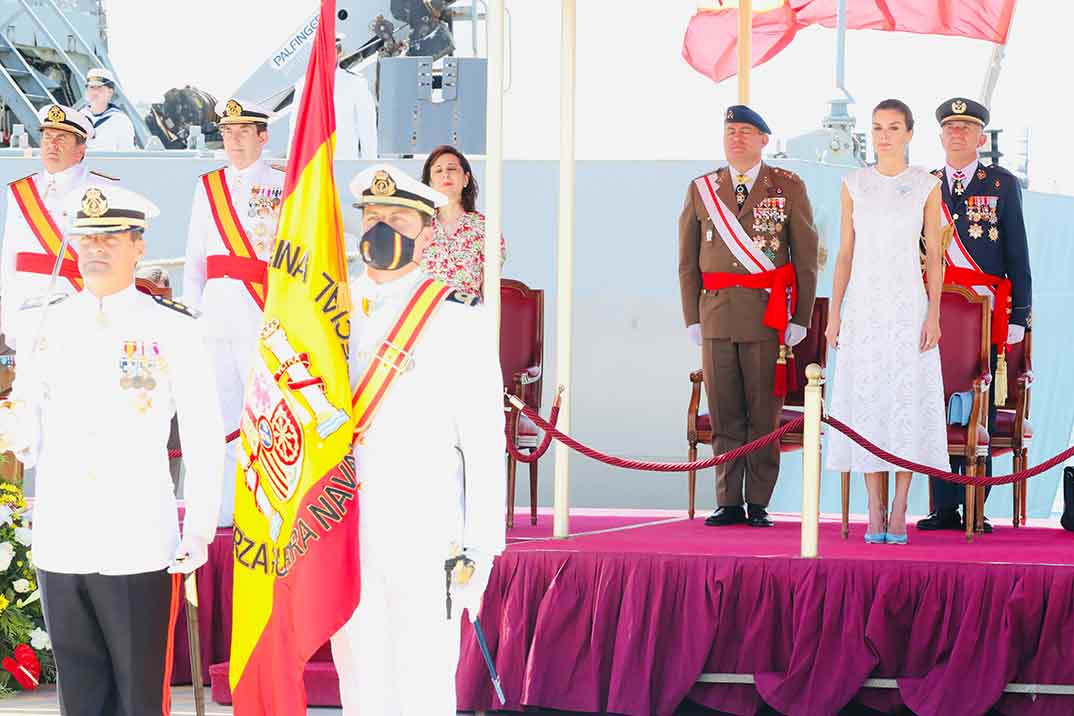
(384, 248)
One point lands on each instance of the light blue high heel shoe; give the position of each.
(878, 537)
(895, 539)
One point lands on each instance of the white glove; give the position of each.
(191, 554)
(795, 334)
(1015, 333)
(694, 332)
(468, 596)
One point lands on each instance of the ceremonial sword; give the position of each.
(193, 638)
(449, 566)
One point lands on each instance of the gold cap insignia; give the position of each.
(55, 114)
(232, 108)
(94, 204)
(958, 107)
(383, 184)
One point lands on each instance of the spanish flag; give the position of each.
(296, 502)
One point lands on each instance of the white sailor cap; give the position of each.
(240, 111)
(108, 208)
(100, 77)
(385, 184)
(59, 116)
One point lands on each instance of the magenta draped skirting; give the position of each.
(583, 626)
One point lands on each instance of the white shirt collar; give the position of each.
(248, 171)
(398, 289)
(751, 175)
(967, 172)
(119, 301)
(67, 177)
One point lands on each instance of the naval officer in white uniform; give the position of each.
(113, 129)
(222, 282)
(26, 262)
(431, 465)
(91, 409)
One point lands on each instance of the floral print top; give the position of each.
(459, 260)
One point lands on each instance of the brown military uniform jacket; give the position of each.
(737, 313)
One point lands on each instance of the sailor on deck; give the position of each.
(356, 107)
(747, 296)
(985, 208)
(91, 409)
(35, 219)
(232, 229)
(113, 130)
(431, 446)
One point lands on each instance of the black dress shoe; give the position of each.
(758, 517)
(1067, 520)
(945, 519)
(732, 515)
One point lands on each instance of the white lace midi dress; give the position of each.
(884, 386)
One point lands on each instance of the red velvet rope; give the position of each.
(172, 454)
(979, 480)
(794, 425)
(607, 459)
(512, 433)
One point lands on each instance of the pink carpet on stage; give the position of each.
(624, 616)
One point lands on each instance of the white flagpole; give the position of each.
(564, 263)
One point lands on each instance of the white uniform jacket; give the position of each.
(356, 112)
(17, 286)
(94, 405)
(445, 412)
(113, 130)
(229, 310)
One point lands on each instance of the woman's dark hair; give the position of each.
(469, 192)
(899, 106)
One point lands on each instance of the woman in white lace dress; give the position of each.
(885, 321)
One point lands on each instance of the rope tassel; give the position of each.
(1000, 380)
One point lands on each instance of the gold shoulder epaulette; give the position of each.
(467, 299)
(103, 175)
(176, 306)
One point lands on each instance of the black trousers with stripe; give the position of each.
(111, 636)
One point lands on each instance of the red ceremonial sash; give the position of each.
(241, 263)
(782, 285)
(47, 234)
(393, 357)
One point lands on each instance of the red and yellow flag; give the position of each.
(296, 504)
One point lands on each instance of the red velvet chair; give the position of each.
(522, 360)
(812, 349)
(1013, 432)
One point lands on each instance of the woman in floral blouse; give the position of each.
(456, 254)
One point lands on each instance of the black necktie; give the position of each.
(958, 188)
(741, 192)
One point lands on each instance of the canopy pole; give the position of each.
(494, 164)
(565, 264)
(745, 49)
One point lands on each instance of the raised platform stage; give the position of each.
(630, 613)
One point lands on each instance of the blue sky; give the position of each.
(637, 99)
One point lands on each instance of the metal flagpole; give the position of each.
(745, 49)
(564, 263)
(494, 164)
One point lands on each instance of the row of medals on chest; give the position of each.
(139, 367)
(981, 210)
(264, 209)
